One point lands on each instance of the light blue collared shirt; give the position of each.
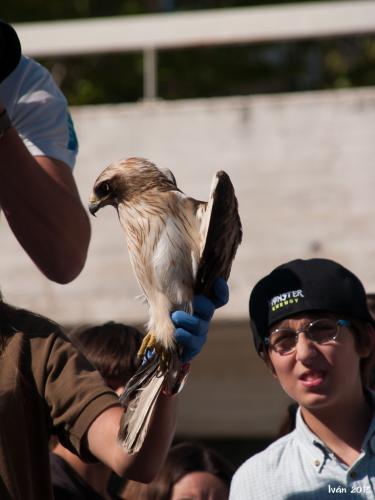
(299, 466)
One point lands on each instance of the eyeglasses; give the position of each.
(284, 340)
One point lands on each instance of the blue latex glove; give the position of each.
(191, 329)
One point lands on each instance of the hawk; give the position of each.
(178, 246)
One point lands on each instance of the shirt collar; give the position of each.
(318, 451)
(314, 447)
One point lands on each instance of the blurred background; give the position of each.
(280, 95)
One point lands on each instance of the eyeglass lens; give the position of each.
(320, 331)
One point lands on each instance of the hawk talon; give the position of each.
(149, 342)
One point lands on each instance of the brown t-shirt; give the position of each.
(46, 387)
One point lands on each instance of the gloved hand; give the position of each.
(191, 329)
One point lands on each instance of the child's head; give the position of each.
(189, 470)
(317, 289)
(111, 348)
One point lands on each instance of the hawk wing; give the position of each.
(221, 232)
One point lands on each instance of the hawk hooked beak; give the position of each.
(96, 203)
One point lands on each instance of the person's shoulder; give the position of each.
(31, 82)
(253, 478)
(28, 322)
(27, 72)
(272, 455)
(27, 63)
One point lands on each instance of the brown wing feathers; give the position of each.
(224, 234)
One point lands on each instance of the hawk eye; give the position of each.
(103, 190)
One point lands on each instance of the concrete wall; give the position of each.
(303, 168)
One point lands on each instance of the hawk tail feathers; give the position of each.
(138, 399)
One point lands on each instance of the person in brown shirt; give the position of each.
(47, 387)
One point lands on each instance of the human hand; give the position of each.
(191, 329)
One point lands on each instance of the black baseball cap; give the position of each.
(301, 286)
(10, 49)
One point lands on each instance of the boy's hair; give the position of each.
(370, 299)
(111, 348)
(288, 423)
(363, 333)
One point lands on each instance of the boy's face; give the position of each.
(319, 375)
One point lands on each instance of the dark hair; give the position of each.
(10, 49)
(363, 333)
(182, 459)
(6, 329)
(288, 422)
(370, 299)
(110, 347)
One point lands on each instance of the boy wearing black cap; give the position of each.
(38, 148)
(312, 327)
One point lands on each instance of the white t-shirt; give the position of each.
(39, 112)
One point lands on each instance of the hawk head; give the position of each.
(121, 182)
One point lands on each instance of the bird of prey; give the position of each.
(178, 246)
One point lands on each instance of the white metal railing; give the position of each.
(153, 32)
